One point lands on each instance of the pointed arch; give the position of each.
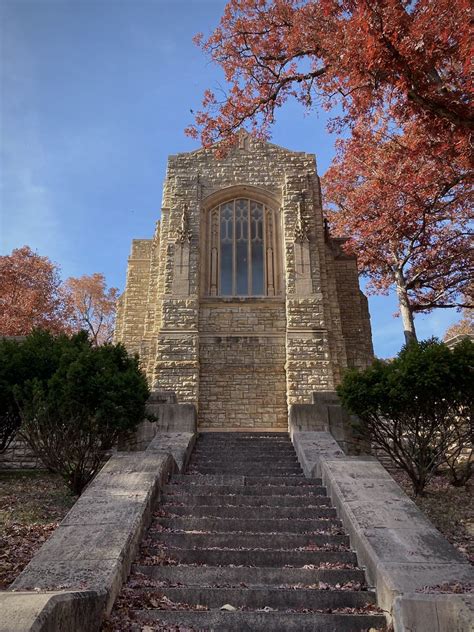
(242, 243)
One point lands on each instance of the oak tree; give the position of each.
(399, 72)
(30, 294)
(358, 54)
(92, 306)
(408, 217)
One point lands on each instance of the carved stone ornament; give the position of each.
(243, 139)
(184, 234)
(301, 229)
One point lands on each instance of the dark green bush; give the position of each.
(75, 409)
(418, 408)
(37, 356)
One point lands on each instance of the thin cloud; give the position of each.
(27, 211)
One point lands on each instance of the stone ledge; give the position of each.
(437, 613)
(174, 417)
(400, 548)
(79, 611)
(178, 444)
(77, 574)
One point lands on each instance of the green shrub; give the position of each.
(37, 356)
(74, 412)
(418, 407)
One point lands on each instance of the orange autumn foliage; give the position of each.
(464, 327)
(30, 294)
(352, 53)
(399, 73)
(92, 306)
(408, 216)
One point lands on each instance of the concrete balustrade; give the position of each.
(77, 574)
(401, 550)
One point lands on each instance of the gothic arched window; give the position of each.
(242, 254)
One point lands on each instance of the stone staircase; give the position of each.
(243, 541)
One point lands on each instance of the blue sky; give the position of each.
(94, 95)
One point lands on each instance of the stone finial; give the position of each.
(243, 136)
(301, 229)
(199, 187)
(156, 234)
(327, 230)
(184, 234)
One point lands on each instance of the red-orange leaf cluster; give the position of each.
(30, 294)
(408, 215)
(357, 53)
(92, 306)
(400, 72)
(465, 326)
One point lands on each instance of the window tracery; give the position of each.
(242, 249)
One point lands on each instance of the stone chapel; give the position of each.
(242, 303)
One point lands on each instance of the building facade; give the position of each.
(241, 303)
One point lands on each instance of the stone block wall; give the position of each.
(19, 456)
(241, 361)
(355, 318)
(132, 309)
(242, 364)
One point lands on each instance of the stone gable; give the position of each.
(243, 358)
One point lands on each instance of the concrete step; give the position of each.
(255, 525)
(244, 433)
(250, 557)
(261, 442)
(203, 489)
(288, 541)
(243, 441)
(251, 470)
(276, 598)
(246, 451)
(244, 446)
(250, 576)
(232, 500)
(229, 479)
(247, 459)
(236, 436)
(247, 513)
(246, 463)
(247, 448)
(264, 621)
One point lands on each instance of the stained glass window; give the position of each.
(242, 249)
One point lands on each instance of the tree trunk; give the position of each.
(405, 308)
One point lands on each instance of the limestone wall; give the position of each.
(19, 456)
(242, 364)
(242, 360)
(130, 327)
(355, 318)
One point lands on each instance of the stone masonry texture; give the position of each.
(243, 360)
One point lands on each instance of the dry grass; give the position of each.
(32, 503)
(450, 509)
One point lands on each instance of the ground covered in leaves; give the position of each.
(32, 503)
(450, 509)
